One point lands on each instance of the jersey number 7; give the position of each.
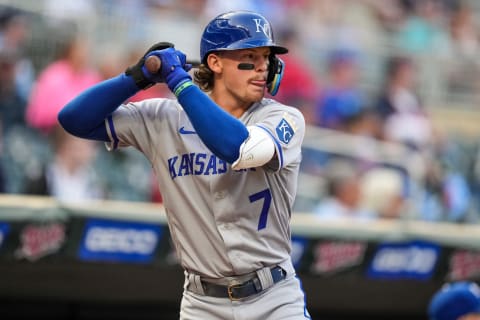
(267, 196)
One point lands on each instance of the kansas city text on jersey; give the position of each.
(195, 164)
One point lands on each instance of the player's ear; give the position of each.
(214, 63)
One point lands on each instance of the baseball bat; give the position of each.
(153, 64)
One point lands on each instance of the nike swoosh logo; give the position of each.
(183, 131)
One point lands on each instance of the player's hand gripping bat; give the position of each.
(153, 64)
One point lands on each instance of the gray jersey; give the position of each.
(223, 222)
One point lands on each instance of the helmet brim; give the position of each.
(249, 43)
(278, 50)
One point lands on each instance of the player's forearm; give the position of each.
(85, 115)
(221, 133)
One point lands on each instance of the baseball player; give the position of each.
(226, 159)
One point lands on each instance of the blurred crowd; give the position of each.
(368, 74)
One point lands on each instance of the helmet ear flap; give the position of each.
(275, 74)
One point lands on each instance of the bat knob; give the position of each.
(153, 64)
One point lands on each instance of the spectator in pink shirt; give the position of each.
(59, 82)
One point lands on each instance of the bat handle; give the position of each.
(153, 64)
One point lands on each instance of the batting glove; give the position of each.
(143, 78)
(174, 68)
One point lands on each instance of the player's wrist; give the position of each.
(182, 86)
(178, 80)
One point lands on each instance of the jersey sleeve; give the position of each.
(286, 126)
(139, 125)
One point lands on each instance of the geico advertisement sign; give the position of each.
(119, 241)
(413, 260)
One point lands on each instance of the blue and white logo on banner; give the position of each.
(406, 260)
(119, 241)
(4, 229)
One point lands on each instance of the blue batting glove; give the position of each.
(159, 76)
(173, 70)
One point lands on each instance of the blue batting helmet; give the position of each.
(238, 30)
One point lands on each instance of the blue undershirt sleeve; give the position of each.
(85, 115)
(221, 132)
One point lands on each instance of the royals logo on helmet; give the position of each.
(264, 27)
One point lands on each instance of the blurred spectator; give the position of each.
(423, 35)
(341, 99)
(422, 31)
(457, 197)
(399, 108)
(14, 31)
(12, 109)
(70, 176)
(59, 82)
(456, 301)
(446, 195)
(13, 28)
(464, 31)
(12, 103)
(12, 115)
(327, 24)
(389, 13)
(343, 199)
(299, 86)
(464, 66)
(431, 200)
(383, 192)
(365, 124)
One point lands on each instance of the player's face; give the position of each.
(247, 86)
